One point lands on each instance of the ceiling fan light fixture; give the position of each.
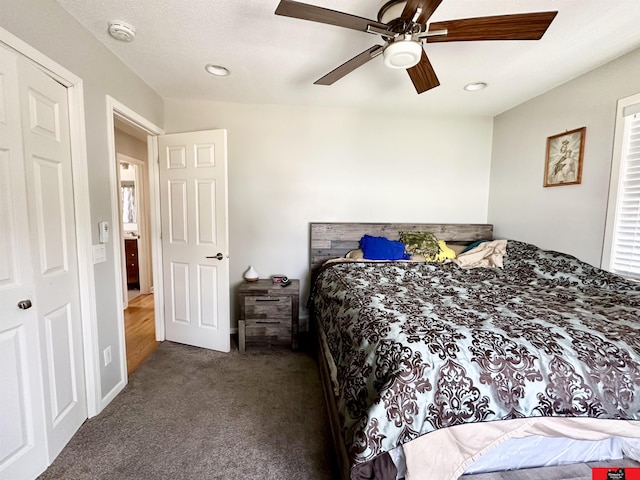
(402, 54)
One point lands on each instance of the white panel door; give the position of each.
(193, 203)
(47, 160)
(23, 452)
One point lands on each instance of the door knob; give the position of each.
(24, 304)
(219, 256)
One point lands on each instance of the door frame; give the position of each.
(80, 175)
(142, 209)
(129, 116)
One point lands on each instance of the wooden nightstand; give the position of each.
(268, 313)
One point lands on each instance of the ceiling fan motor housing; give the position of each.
(390, 10)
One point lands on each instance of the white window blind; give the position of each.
(625, 252)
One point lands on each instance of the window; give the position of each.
(128, 202)
(622, 237)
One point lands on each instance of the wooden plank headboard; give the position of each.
(332, 240)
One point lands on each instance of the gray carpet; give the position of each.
(190, 413)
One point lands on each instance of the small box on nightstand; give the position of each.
(268, 314)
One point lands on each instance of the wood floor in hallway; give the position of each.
(140, 331)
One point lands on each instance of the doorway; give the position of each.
(134, 203)
(132, 178)
(209, 278)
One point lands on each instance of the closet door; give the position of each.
(52, 232)
(43, 398)
(23, 452)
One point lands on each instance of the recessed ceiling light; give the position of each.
(217, 70)
(122, 31)
(473, 87)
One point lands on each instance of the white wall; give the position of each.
(568, 218)
(47, 27)
(289, 166)
(130, 146)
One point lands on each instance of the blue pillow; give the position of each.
(473, 245)
(381, 248)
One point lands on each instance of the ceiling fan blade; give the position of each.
(423, 75)
(427, 6)
(350, 66)
(304, 11)
(521, 26)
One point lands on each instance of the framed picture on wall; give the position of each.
(563, 165)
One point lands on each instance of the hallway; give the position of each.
(140, 333)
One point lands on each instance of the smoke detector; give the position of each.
(122, 31)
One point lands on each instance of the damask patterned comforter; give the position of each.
(419, 347)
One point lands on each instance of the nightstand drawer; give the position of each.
(262, 308)
(268, 333)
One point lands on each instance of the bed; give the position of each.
(430, 367)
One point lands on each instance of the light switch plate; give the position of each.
(99, 254)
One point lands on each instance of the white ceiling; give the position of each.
(275, 59)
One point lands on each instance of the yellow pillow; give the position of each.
(445, 252)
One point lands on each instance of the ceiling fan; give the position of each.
(404, 25)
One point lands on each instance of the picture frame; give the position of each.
(565, 152)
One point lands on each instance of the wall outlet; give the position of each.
(107, 356)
